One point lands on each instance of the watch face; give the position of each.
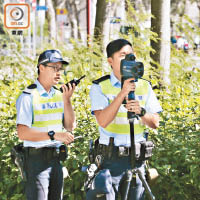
(143, 111)
(51, 134)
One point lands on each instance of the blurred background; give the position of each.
(56, 21)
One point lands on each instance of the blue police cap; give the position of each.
(51, 56)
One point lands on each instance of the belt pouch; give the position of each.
(146, 150)
(63, 153)
(149, 149)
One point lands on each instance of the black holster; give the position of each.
(63, 153)
(18, 158)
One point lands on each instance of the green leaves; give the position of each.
(177, 145)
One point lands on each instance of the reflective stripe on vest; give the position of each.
(48, 112)
(120, 125)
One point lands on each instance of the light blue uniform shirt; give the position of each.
(24, 105)
(99, 101)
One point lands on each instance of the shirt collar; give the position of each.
(114, 81)
(42, 91)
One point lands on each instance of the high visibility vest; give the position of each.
(120, 125)
(47, 112)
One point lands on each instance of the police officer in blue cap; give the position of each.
(45, 119)
(107, 97)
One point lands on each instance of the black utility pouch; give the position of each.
(63, 154)
(17, 154)
(146, 150)
(18, 158)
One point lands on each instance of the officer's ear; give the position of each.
(41, 67)
(110, 61)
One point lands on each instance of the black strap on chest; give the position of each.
(103, 78)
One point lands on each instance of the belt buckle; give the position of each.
(123, 151)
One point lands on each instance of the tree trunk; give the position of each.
(52, 21)
(100, 18)
(198, 6)
(73, 18)
(60, 4)
(101, 28)
(147, 4)
(160, 9)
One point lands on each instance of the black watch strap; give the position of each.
(51, 134)
(143, 112)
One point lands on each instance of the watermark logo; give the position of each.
(16, 16)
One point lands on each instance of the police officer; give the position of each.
(111, 115)
(42, 112)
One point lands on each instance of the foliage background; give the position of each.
(177, 153)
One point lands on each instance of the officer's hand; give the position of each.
(133, 106)
(68, 91)
(65, 137)
(128, 86)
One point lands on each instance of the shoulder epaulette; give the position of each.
(29, 89)
(32, 86)
(103, 78)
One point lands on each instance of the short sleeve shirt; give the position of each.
(99, 101)
(24, 106)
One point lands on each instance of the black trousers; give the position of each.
(44, 174)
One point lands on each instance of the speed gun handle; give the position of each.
(75, 81)
(131, 95)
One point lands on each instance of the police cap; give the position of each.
(51, 56)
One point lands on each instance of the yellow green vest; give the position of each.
(47, 112)
(120, 125)
(47, 115)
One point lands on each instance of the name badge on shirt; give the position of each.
(50, 105)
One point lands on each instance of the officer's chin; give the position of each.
(56, 80)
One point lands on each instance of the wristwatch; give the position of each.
(51, 134)
(143, 112)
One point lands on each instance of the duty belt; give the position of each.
(143, 150)
(47, 153)
(119, 151)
